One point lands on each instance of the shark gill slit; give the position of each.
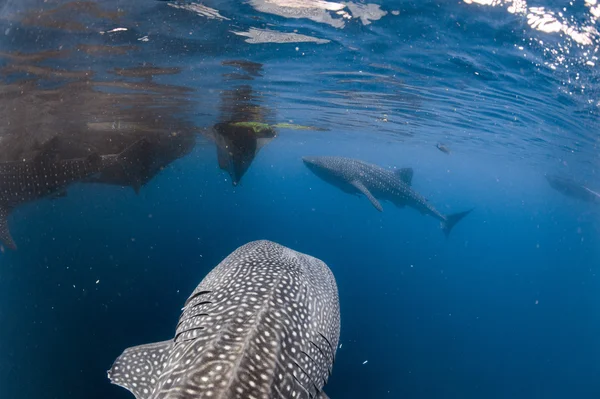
(301, 369)
(324, 357)
(201, 303)
(302, 386)
(190, 299)
(313, 360)
(330, 347)
(319, 349)
(185, 331)
(190, 318)
(316, 389)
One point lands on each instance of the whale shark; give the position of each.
(44, 176)
(264, 323)
(374, 182)
(573, 189)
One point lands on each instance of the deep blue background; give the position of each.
(433, 317)
(507, 307)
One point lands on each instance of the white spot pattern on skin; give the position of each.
(265, 321)
(134, 370)
(382, 183)
(25, 181)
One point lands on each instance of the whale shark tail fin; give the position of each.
(451, 221)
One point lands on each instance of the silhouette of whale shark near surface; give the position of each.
(45, 175)
(571, 188)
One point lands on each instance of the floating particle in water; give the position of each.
(365, 362)
(97, 281)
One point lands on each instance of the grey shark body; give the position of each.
(573, 189)
(376, 183)
(264, 323)
(43, 176)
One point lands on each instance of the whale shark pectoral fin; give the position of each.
(361, 187)
(5, 236)
(405, 175)
(139, 367)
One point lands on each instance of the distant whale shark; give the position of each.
(264, 323)
(354, 177)
(573, 189)
(43, 176)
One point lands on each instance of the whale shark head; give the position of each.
(563, 185)
(337, 171)
(313, 162)
(264, 323)
(322, 166)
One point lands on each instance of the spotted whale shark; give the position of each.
(44, 176)
(573, 189)
(374, 182)
(264, 323)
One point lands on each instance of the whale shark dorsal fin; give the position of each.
(139, 367)
(5, 236)
(361, 187)
(49, 153)
(47, 156)
(405, 174)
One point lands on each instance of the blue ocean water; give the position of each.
(508, 306)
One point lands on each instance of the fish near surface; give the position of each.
(45, 175)
(374, 182)
(443, 148)
(263, 324)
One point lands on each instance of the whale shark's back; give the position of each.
(264, 323)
